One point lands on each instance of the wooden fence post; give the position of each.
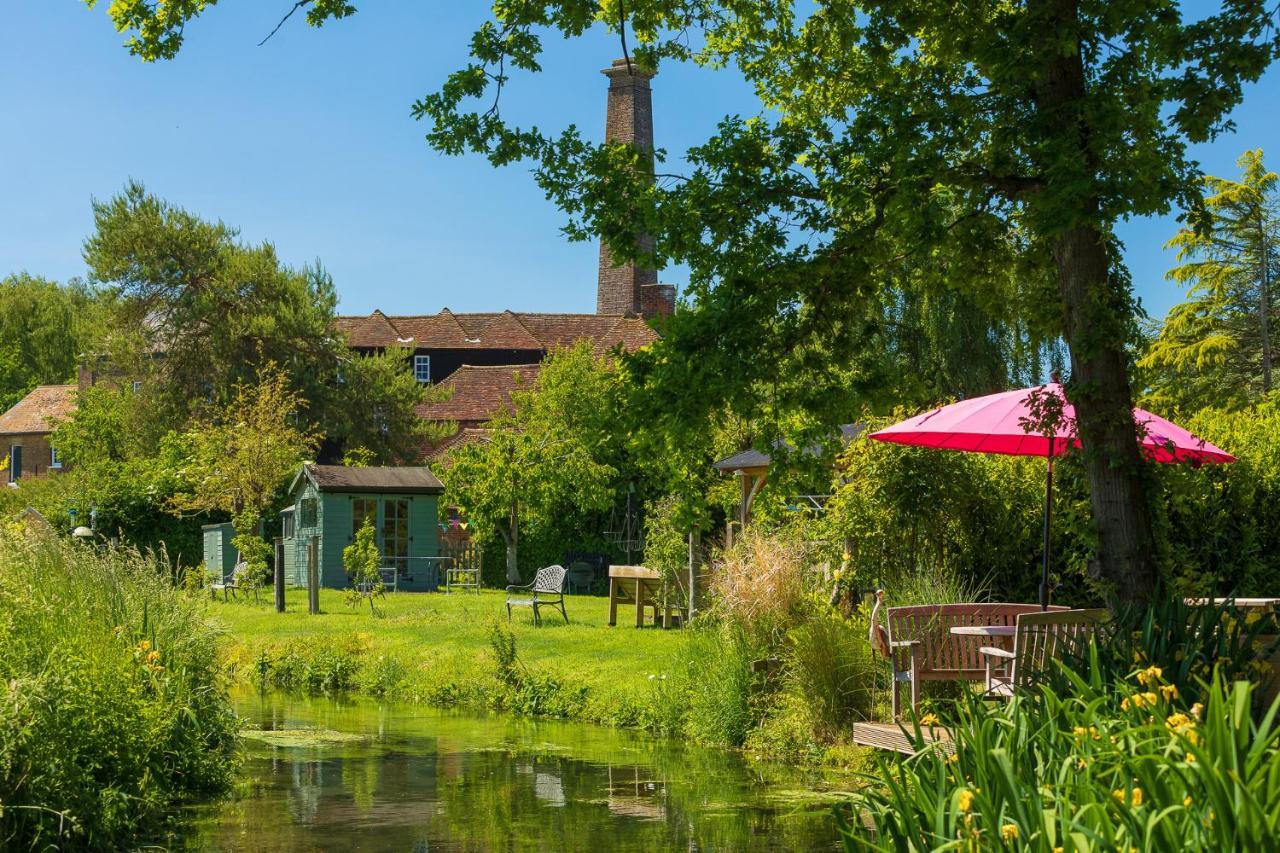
(279, 576)
(313, 575)
(693, 573)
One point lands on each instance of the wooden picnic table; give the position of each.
(644, 588)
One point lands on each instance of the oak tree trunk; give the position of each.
(1096, 308)
(1125, 560)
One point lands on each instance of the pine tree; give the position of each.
(1217, 348)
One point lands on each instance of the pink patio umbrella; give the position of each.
(1004, 423)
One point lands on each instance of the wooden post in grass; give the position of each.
(313, 575)
(279, 575)
(693, 574)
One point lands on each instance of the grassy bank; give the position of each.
(111, 701)
(456, 649)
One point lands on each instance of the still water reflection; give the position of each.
(350, 774)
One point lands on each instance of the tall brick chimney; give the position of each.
(628, 288)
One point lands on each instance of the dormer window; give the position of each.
(422, 368)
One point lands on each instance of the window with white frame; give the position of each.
(55, 461)
(422, 368)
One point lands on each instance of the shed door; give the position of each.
(15, 462)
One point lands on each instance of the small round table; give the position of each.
(984, 630)
(1001, 636)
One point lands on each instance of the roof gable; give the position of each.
(39, 411)
(496, 330)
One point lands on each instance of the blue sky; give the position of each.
(308, 142)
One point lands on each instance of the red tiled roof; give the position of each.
(505, 330)
(479, 393)
(39, 411)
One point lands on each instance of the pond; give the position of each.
(353, 774)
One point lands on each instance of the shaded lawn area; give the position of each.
(441, 641)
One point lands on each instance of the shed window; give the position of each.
(286, 525)
(15, 463)
(307, 512)
(55, 461)
(395, 534)
(362, 510)
(422, 368)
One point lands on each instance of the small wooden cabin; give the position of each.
(332, 502)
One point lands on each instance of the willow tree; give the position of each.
(1217, 348)
(985, 133)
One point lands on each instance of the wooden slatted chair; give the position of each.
(922, 647)
(546, 589)
(1040, 639)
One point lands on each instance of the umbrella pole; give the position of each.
(1048, 520)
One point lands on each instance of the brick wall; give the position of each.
(35, 453)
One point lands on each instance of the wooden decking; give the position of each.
(891, 737)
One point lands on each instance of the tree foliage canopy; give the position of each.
(44, 327)
(1217, 347)
(549, 454)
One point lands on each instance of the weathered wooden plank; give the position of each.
(890, 736)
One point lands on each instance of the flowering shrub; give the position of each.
(1125, 768)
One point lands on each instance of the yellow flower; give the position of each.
(1177, 722)
(953, 758)
(1169, 692)
(1057, 850)
(144, 645)
(153, 656)
(1186, 801)
(1124, 704)
(1197, 709)
(1252, 618)
(1150, 676)
(1009, 832)
(964, 800)
(1134, 797)
(929, 720)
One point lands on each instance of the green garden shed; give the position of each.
(332, 502)
(219, 554)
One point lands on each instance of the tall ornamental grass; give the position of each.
(111, 704)
(1104, 767)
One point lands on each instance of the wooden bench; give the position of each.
(546, 589)
(1038, 640)
(922, 647)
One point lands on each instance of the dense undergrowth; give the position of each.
(111, 700)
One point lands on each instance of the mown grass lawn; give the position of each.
(441, 642)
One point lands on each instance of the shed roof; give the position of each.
(39, 411)
(398, 480)
(751, 458)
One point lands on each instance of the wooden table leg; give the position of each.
(639, 603)
(613, 602)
